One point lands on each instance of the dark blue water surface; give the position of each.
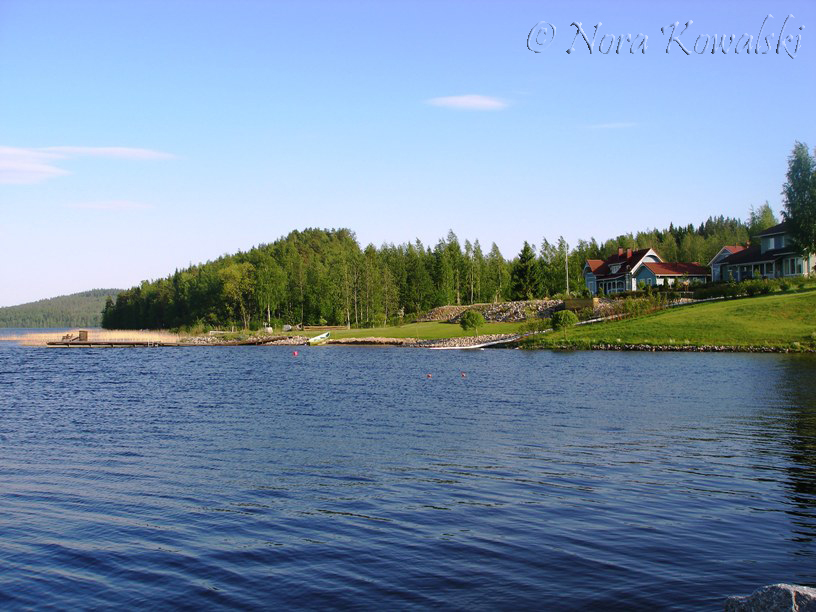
(206, 478)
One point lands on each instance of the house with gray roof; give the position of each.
(774, 257)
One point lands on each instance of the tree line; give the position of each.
(319, 277)
(324, 277)
(76, 310)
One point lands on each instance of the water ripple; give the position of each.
(244, 478)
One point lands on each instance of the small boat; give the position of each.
(319, 339)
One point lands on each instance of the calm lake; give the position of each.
(207, 478)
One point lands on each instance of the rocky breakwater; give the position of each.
(220, 340)
(705, 348)
(373, 341)
(287, 341)
(463, 342)
(773, 598)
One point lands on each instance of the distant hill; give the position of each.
(77, 310)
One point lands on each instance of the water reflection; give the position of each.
(797, 387)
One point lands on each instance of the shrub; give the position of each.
(471, 319)
(537, 324)
(564, 319)
(585, 314)
(784, 285)
(751, 288)
(703, 293)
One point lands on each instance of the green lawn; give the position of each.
(770, 320)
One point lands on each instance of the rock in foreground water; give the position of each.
(773, 598)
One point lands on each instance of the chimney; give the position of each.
(620, 251)
(628, 253)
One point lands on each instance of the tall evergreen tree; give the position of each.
(524, 277)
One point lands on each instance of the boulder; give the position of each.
(774, 598)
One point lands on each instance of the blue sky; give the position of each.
(139, 137)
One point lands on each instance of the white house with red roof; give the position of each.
(624, 271)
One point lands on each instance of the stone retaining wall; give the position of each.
(501, 312)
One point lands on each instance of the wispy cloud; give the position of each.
(111, 205)
(469, 102)
(116, 152)
(610, 126)
(25, 166)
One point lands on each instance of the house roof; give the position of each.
(626, 263)
(723, 253)
(594, 264)
(779, 228)
(754, 254)
(744, 256)
(677, 269)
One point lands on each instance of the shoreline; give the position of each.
(507, 340)
(676, 348)
(468, 343)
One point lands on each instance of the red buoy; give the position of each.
(428, 376)
(294, 353)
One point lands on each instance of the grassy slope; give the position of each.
(771, 320)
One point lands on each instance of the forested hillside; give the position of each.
(324, 277)
(76, 310)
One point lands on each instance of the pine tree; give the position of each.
(524, 277)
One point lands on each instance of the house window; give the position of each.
(798, 266)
